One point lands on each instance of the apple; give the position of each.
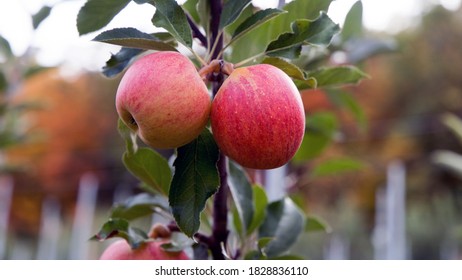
(257, 117)
(121, 250)
(163, 99)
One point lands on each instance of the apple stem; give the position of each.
(217, 66)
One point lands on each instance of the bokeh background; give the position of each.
(399, 197)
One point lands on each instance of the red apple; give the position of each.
(120, 250)
(258, 118)
(163, 99)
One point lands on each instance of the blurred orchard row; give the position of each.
(58, 132)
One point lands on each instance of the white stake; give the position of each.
(83, 220)
(50, 230)
(6, 195)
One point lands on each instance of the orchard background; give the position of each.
(377, 174)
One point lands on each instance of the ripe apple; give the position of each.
(257, 117)
(121, 250)
(163, 99)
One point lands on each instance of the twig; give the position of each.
(196, 32)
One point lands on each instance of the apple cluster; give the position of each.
(257, 116)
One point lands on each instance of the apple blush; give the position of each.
(163, 99)
(257, 117)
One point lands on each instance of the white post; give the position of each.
(390, 225)
(379, 234)
(84, 215)
(338, 248)
(275, 183)
(6, 195)
(396, 211)
(50, 230)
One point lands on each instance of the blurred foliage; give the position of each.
(403, 103)
(54, 127)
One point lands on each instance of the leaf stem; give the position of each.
(224, 48)
(247, 60)
(212, 53)
(198, 57)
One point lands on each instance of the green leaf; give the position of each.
(248, 11)
(353, 24)
(256, 20)
(237, 223)
(150, 167)
(40, 16)
(121, 228)
(263, 242)
(449, 160)
(291, 70)
(170, 15)
(241, 191)
(254, 255)
(128, 135)
(178, 242)
(3, 83)
(337, 76)
(5, 49)
(133, 38)
(119, 61)
(260, 202)
(256, 40)
(454, 123)
(231, 11)
(292, 52)
(314, 223)
(96, 14)
(317, 32)
(284, 223)
(139, 206)
(346, 100)
(288, 257)
(195, 180)
(175, 246)
(203, 8)
(318, 135)
(190, 7)
(308, 9)
(332, 167)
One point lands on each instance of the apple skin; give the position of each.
(120, 250)
(257, 117)
(163, 98)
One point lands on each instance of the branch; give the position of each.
(196, 32)
(215, 10)
(220, 212)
